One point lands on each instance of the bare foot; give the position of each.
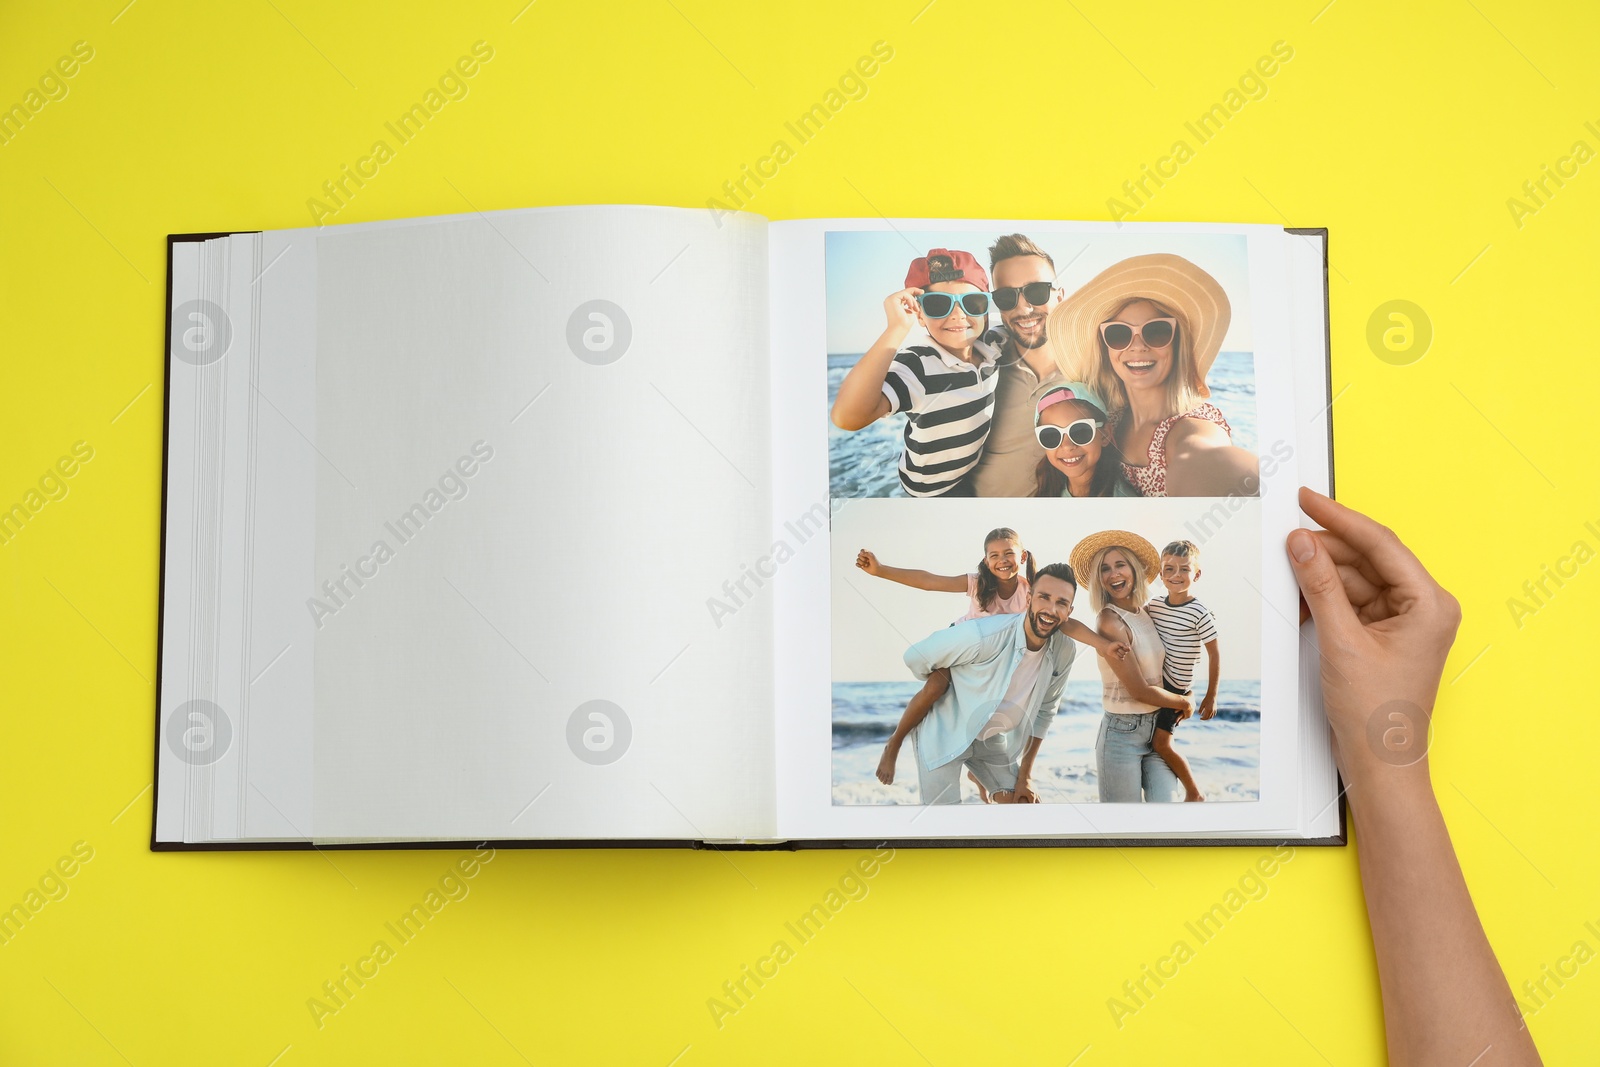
(1194, 795)
(983, 794)
(891, 752)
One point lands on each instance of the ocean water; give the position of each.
(864, 463)
(1224, 753)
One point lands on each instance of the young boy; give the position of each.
(946, 388)
(1185, 625)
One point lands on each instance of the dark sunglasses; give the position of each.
(1035, 293)
(1157, 333)
(1079, 432)
(941, 305)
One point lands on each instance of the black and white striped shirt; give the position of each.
(1184, 630)
(948, 404)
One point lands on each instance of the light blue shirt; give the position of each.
(981, 654)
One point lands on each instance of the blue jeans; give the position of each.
(1130, 771)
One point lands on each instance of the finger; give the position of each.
(1349, 557)
(1320, 585)
(1357, 587)
(1393, 561)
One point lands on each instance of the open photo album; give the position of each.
(642, 526)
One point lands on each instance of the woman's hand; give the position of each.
(1384, 627)
(867, 562)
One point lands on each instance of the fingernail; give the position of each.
(1302, 546)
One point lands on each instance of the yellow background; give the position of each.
(1402, 127)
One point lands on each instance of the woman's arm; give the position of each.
(1127, 671)
(1202, 461)
(938, 583)
(1385, 627)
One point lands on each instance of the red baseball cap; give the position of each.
(945, 265)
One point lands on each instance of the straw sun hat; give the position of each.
(1202, 307)
(1142, 550)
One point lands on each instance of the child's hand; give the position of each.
(867, 562)
(1208, 708)
(901, 308)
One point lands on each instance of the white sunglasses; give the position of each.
(1079, 432)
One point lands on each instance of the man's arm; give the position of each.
(949, 647)
(1050, 703)
(1022, 794)
(1104, 646)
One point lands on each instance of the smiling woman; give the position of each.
(1143, 334)
(1117, 566)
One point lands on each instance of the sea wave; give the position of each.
(864, 463)
(1224, 752)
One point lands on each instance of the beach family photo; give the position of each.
(1048, 364)
(1027, 652)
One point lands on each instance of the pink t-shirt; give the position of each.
(1015, 604)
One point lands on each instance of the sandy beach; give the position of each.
(1225, 753)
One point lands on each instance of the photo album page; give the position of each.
(1059, 461)
(446, 500)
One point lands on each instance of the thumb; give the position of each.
(1320, 584)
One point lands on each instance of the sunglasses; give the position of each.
(1157, 333)
(941, 305)
(1035, 293)
(1079, 432)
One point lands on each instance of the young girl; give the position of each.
(1000, 586)
(1071, 425)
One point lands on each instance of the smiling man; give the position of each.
(1025, 292)
(1007, 677)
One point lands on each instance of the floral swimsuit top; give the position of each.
(1152, 480)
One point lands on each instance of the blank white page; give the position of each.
(555, 424)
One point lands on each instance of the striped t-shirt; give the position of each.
(948, 404)
(1184, 630)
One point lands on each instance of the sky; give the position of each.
(864, 267)
(875, 619)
